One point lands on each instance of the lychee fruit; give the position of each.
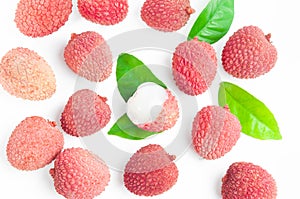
(89, 56)
(34, 143)
(85, 113)
(166, 15)
(79, 174)
(194, 66)
(249, 53)
(25, 74)
(103, 12)
(40, 18)
(215, 131)
(248, 181)
(150, 171)
(155, 115)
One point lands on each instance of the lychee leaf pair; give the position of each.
(131, 72)
(214, 21)
(256, 119)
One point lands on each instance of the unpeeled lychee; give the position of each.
(79, 174)
(166, 15)
(34, 143)
(25, 74)
(245, 180)
(194, 66)
(158, 114)
(150, 171)
(104, 12)
(40, 18)
(89, 56)
(215, 131)
(85, 113)
(249, 53)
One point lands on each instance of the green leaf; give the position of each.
(256, 119)
(214, 21)
(126, 129)
(131, 72)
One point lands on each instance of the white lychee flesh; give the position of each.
(146, 103)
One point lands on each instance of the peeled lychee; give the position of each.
(248, 181)
(79, 174)
(89, 56)
(166, 15)
(34, 143)
(156, 115)
(150, 171)
(40, 18)
(215, 131)
(85, 113)
(194, 66)
(104, 12)
(249, 53)
(25, 74)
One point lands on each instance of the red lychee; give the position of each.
(85, 113)
(249, 53)
(194, 66)
(215, 131)
(150, 171)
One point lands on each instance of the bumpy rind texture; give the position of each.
(79, 174)
(150, 171)
(40, 18)
(248, 181)
(167, 117)
(89, 56)
(215, 131)
(85, 113)
(103, 12)
(166, 15)
(194, 66)
(25, 74)
(34, 143)
(249, 53)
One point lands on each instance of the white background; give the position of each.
(197, 177)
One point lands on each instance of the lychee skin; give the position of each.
(40, 18)
(167, 117)
(194, 66)
(248, 181)
(249, 53)
(88, 55)
(25, 74)
(85, 113)
(34, 143)
(215, 131)
(166, 15)
(79, 174)
(150, 171)
(103, 12)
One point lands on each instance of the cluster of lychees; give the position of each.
(78, 173)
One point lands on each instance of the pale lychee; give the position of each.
(150, 171)
(248, 181)
(157, 114)
(249, 53)
(166, 15)
(25, 74)
(194, 66)
(79, 174)
(89, 56)
(104, 12)
(85, 113)
(40, 18)
(215, 131)
(34, 143)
